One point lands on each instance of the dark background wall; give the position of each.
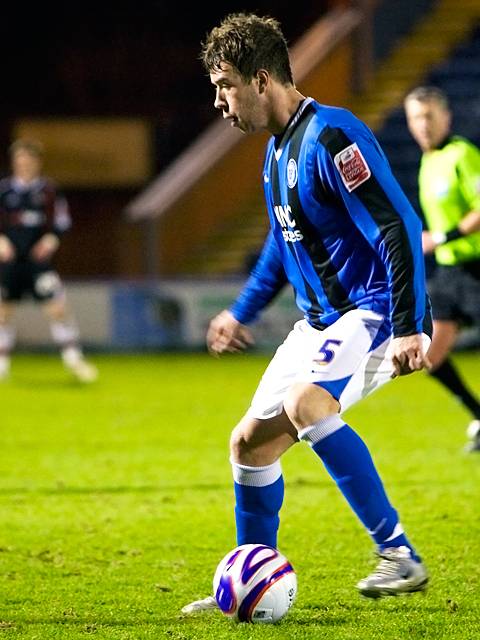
(392, 20)
(140, 59)
(114, 59)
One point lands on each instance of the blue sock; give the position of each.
(350, 464)
(259, 496)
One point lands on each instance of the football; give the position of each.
(255, 583)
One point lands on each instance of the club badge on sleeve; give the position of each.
(352, 166)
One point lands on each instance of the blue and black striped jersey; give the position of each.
(343, 232)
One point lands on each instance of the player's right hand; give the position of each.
(226, 334)
(7, 250)
(408, 355)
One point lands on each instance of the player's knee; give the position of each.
(240, 444)
(55, 310)
(307, 403)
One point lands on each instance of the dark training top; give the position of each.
(29, 211)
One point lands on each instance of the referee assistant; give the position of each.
(449, 191)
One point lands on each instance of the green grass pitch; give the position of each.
(116, 505)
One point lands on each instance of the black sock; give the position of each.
(448, 376)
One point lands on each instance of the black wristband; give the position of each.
(453, 234)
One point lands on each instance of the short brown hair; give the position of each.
(249, 43)
(426, 93)
(33, 147)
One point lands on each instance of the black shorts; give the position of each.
(26, 277)
(455, 293)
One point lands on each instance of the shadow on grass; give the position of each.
(32, 383)
(174, 488)
(63, 490)
(334, 616)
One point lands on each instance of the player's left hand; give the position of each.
(408, 355)
(428, 243)
(44, 248)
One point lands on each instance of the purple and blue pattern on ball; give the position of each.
(248, 604)
(249, 569)
(225, 594)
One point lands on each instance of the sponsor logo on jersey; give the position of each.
(292, 173)
(352, 166)
(283, 213)
(30, 218)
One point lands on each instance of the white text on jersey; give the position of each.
(283, 214)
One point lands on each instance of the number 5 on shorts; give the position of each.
(328, 354)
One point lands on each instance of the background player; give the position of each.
(345, 236)
(33, 216)
(449, 190)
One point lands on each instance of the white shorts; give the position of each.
(349, 359)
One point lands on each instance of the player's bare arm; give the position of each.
(226, 334)
(408, 355)
(45, 247)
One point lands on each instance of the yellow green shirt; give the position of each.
(449, 188)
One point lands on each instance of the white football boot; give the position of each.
(473, 434)
(200, 605)
(396, 573)
(83, 370)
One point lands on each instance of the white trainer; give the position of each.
(84, 371)
(396, 573)
(200, 605)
